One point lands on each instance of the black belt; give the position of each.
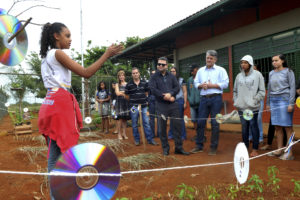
(210, 95)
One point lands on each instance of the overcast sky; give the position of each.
(104, 22)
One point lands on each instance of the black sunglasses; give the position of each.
(161, 64)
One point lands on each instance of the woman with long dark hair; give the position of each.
(280, 99)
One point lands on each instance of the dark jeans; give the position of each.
(152, 113)
(172, 111)
(209, 106)
(146, 125)
(53, 155)
(246, 124)
(181, 113)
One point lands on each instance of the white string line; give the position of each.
(80, 174)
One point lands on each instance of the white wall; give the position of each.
(256, 30)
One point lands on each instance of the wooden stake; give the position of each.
(142, 127)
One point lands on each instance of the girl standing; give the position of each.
(280, 99)
(60, 108)
(248, 91)
(103, 99)
(122, 106)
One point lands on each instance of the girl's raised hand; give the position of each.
(114, 49)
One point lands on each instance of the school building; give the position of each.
(234, 28)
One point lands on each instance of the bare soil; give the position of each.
(159, 185)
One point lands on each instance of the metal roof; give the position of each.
(163, 42)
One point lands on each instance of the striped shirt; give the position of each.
(137, 93)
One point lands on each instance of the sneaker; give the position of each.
(196, 150)
(137, 143)
(153, 143)
(212, 152)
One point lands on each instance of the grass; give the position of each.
(141, 160)
(29, 138)
(33, 152)
(86, 136)
(115, 145)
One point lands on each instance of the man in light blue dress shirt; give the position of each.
(210, 80)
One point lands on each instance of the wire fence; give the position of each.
(3, 109)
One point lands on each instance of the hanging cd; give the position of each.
(186, 119)
(25, 109)
(241, 162)
(3, 12)
(86, 158)
(134, 109)
(248, 114)
(88, 120)
(13, 52)
(113, 114)
(298, 102)
(7, 104)
(219, 118)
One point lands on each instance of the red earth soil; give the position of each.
(153, 184)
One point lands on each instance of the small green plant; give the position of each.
(296, 188)
(245, 189)
(148, 198)
(184, 191)
(212, 193)
(255, 183)
(273, 180)
(233, 190)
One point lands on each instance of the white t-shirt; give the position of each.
(53, 73)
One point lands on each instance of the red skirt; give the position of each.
(60, 118)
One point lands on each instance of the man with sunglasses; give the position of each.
(164, 86)
(210, 80)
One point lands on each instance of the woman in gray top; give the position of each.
(280, 99)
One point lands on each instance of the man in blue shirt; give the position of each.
(164, 86)
(210, 80)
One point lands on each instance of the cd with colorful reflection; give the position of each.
(13, 52)
(86, 158)
(248, 114)
(2, 11)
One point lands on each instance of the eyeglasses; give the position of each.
(173, 71)
(161, 64)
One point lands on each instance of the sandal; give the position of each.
(254, 153)
(120, 137)
(125, 137)
(266, 147)
(276, 153)
(286, 156)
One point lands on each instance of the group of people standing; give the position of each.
(166, 94)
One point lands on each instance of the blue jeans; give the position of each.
(181, 112)
(209, 106)
(54, 153)
(259, 122)
(245, 129)
(152, 112)
(135, 130)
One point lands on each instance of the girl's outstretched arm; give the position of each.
(67, 62)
